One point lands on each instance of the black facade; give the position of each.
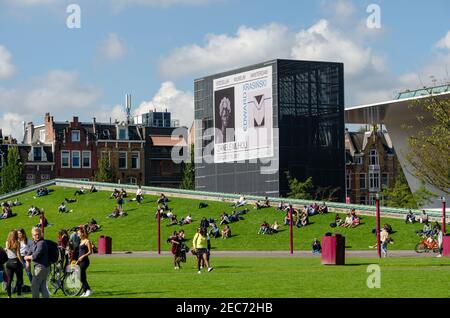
(308, 134)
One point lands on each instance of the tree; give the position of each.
(429, 155)
(188, 182)
(400, 195)
(105, 172)
(11, 174)
(300, 190)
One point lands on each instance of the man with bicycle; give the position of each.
(39, 256)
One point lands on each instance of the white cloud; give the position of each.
(7, 69)
(222, 52)
(444, 43)
(11, 124)
(112, 48)
(179, 103)
(106, 113)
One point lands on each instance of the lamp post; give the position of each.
(159, 231)
(443, 215)
(291, 236)
(377, 202)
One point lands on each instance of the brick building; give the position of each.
(371, 164)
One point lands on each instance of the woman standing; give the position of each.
(25, 248)
(200, 245)
(176, 249)
(14, 263)
(85, 250)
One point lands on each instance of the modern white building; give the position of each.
(396, 115)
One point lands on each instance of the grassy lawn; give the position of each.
(266, 278)
(138, 231)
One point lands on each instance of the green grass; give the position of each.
(266, 278)
(138, 231)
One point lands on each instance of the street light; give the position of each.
(443, 215)
(377, 202)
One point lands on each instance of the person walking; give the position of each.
(14, 263)
(384, 238)
(39, 256)
(25, 248)
(440, 237)
(200, 245)
(85, 250)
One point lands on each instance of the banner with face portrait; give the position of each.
(243, 116)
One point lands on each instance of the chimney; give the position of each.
(94, 125)
(75, 119)
(30, 131)
(49, 128)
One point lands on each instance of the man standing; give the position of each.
(384, 238)
(440, 236)
(39, 255)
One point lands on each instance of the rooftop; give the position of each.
(424, 91)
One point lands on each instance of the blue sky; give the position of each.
(154, 49)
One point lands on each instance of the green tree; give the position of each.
(188, 182)
(430, 155)
(300, 190)
(400, 195)
(11, 174)
(105, 172)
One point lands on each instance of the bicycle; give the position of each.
(64, 276)
(426, 246)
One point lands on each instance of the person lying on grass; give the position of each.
(117, 213)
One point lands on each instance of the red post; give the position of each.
(41, 220)
(159, 232)
(377, 201)
(291, 238)
(443, 215)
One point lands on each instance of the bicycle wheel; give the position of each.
(72, 284)
(420, 248)
(54, 279)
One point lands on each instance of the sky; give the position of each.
(54, 60)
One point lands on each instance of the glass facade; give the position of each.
(308, 135)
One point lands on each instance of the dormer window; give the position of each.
(122, 134)
(374, 157)
(42, 135)
(75, 135)
(37, 154)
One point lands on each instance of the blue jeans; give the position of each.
(30, 276)
(384, 246)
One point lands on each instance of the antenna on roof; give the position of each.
(128, 107)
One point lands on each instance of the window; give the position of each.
(132, 181)
(363, 200)
(122, 134)
(75, 135)
(42, 135)
(362, 181)
(372, 199)
(374, 181)
(45, 177)
(65, 159)
(31, 179)
(122, 160)
(348, 181)
(385, 180)
(374, 157)
(37, 154)
(359, 160)
(76, 159)
(135, 160)
(86, 159)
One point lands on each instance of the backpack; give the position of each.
(53, 253)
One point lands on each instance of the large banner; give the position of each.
(243, 116)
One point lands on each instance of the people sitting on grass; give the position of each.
(173, 220)
(123, 193)
(348, 221)
(117, 213)
(139, 195)
(275, 227)
(214, 232)
(204, 223)
(33, 211)
(11, 203)
(423, 217)
(410, 217)
(287, 219)
(162, 199)
(43, 192)
(316, 247)
(79, 192)
(241, 202)
(226, 232)
(115, 194)
(224, 219)
(235, 217)
(93, 189)
(92, 226)
(42, 220)
(283, 206)
(62, 208)
(67, 201)
(202, 205)
(257, 205)
(266, 203)
(7, 212)
(302, 218)
(426, 230)
(162, 213)
(264, 228)
(323, 209)
(186, 220)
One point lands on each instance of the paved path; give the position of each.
(265, 254)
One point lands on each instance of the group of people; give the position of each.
(20, 252)
(266, 228)
(43, 192)
(352, 220)
(6, 211)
